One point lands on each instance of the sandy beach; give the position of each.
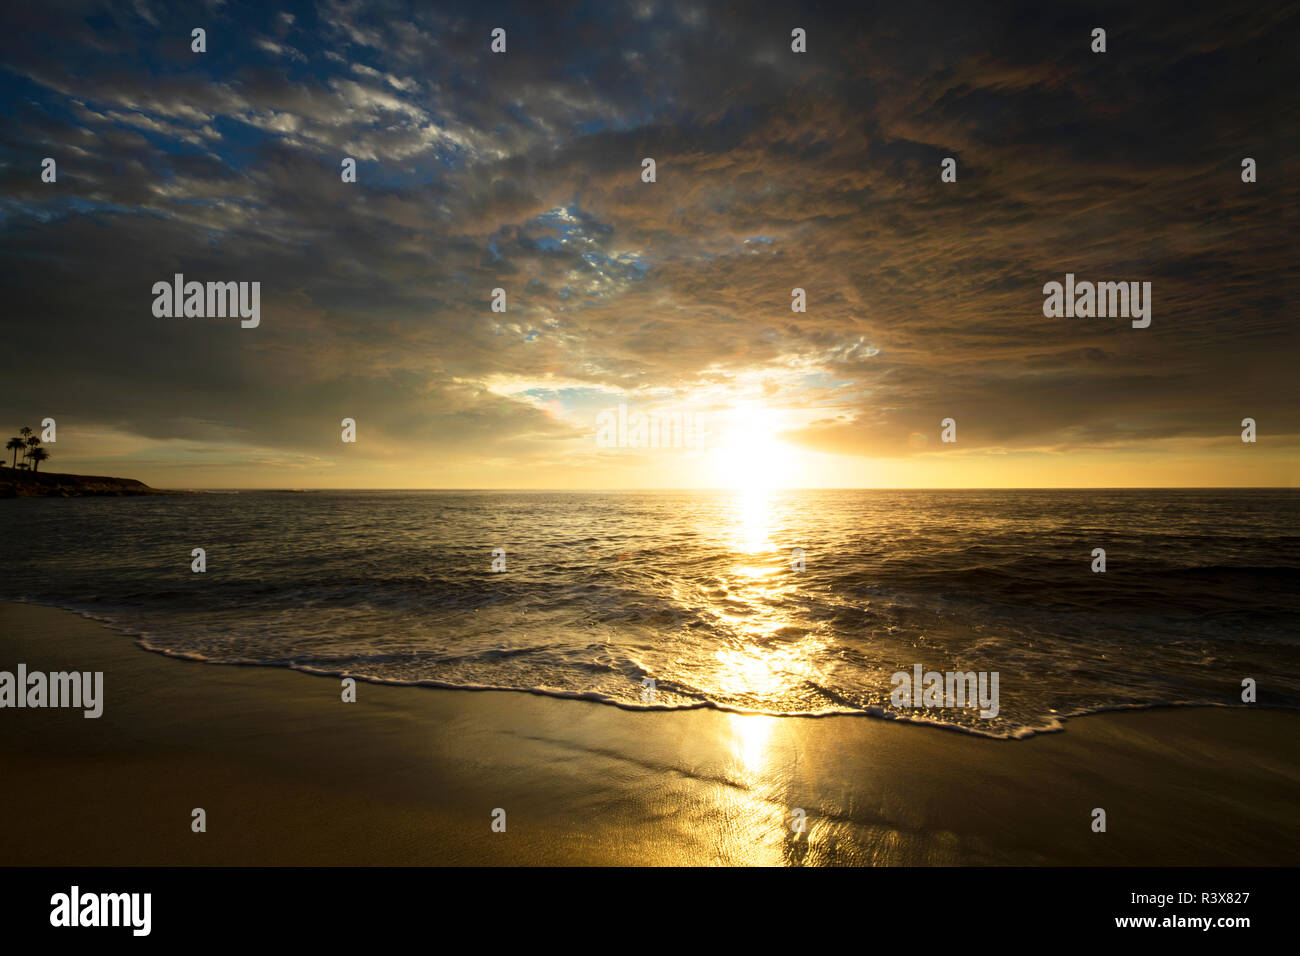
(289, 774)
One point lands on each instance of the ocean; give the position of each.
(703, 592)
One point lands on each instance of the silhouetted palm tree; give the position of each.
(16, 444)
(38, 455)
(33, 442)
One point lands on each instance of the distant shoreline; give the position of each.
(17, 484)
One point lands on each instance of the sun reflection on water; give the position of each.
(753, 516)
(763, 659)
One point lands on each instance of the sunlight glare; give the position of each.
(750, 458)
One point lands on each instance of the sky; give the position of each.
(774, 170)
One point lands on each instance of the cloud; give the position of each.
(774, 170)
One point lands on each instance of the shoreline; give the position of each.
(290, 775)
(1060, 721)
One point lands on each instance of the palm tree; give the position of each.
(16, 444)
(33, 442)
(38, 455)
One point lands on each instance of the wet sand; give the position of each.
(289, 774)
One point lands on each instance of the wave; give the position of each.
(700, 593)
(1055, 724)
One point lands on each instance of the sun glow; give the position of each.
(749, 457)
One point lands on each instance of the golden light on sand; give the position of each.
(751, 735)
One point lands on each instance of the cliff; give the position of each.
(23, 484)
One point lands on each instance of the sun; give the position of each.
(749, 457)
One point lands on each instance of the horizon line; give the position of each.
(746, 491)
